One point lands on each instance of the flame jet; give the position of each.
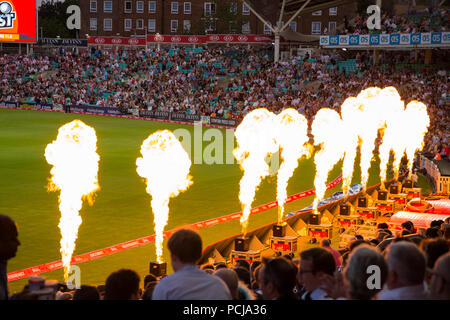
(165, 167)
(368, 129)
(328, 131)
(74, 158)
(351, 117)
(417, 117)
(394, 131)
(292, 139)
(255, 138)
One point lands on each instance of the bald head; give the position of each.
(8, 238)
(231, 280)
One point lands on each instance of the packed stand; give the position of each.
(226, 82)
(436, 21)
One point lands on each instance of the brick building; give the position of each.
(141, 17)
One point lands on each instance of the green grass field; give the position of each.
(121, 210)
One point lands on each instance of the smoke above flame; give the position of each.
(292, 139)
(74, 158)
(256, 140)
(165, 167)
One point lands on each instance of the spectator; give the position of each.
(354, 282)
(357, 272)
(407, 228)
(101, 291)
(231, 280)
(382, 232)
(148, 292)
(353, 244)
(240, 263)
(243, 275)
(86, 293)
(437, 156)
(434, 248)
(253, 267)
(122, 285)
(277, 279)
(188, 282)
(208, 268)
(9, 243)
(315, 263)
(149, 278)
(436, 224)
(440, 280)
(433, 233)
(220, 265)
(325, 243)
(406, 273)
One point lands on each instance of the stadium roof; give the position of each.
(270, 9)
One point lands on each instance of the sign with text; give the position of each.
(63, 42)
(439, 39)
(18, 21)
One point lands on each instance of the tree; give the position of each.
(52, 19)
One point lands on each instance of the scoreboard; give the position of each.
(18, 21)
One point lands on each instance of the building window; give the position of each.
(293, 25)
(210, 9)
(267, 29)
(246, 27)
(245, 10)
(140, 6)
(316, 27)
(232, 27)
(151, 25)
(140, 24)
(107, 6)
(93, 24)
(151, 6)
(174, 7)
(187, 8)
(127, 25)
(173, 25)
(187, 25)
(331, 26)
(93, 5)
(107, 25)
(332, 11)
(128, 7)
(317, 13)
(233, 7)
(210, 25)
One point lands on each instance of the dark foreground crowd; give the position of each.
(414, 265)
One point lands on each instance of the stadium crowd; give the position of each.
(224, 82)
(432, 20)
(410, 265)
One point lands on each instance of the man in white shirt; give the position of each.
(189, 282)
(314, 264)
(406, 273)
